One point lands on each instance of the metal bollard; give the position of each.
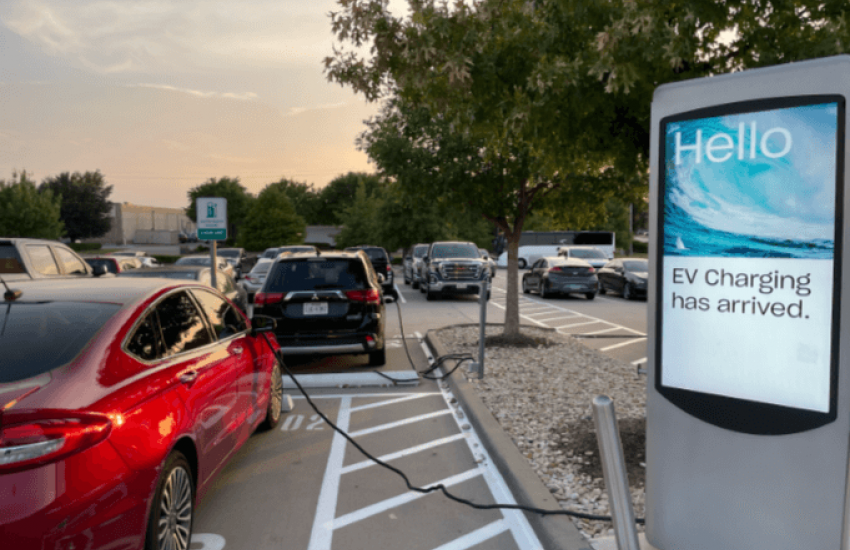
(614, 473)
(482, 324)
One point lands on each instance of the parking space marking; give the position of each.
(399, 294)
(579, 324)
(560, 318)
(621, 344)
(391, 401)
(476, 537)
(405, 452)
(612, 329)
(403, 498)
(404, 422)
(358, 395)
(639, 361)
(322, 534)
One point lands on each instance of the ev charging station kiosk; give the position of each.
(748, 397)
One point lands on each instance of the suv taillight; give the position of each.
(389, 268)
(267, 298)
(555, 269)
(370, 296)
(30, 439)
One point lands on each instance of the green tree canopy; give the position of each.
(85, 203)
(239, 201)
(339, 194)
(26, 212)
(304, 197)
(271, 221)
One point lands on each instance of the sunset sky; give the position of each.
(161, 95)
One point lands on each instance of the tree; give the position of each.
(271, 221)
(480, 108)
(85, 203)
(239, 201)
(339, 194)
(304, 197)
(26, 212)
(359, 220)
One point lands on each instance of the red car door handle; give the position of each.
(188, 377)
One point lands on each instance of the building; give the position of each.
(321, 234)
(133, 224)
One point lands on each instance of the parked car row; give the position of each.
(553, 275)
(448, 267)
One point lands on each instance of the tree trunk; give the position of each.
(512, 300)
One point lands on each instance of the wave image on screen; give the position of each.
(758, 184)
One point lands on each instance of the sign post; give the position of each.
(212, 226)
(748, 404)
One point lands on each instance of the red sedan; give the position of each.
(120, 399)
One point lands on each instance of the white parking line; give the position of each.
(405, 452)
(389, 402)
(476, 537)
(394, 502)
(404, 422)
(612, 329)
(621, 344)
(579, 324)
(322, 533)
(559, 318)
(639, 361)
(399, 294)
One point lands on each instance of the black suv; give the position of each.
(382, 263)
(325, 303)
(454, 268)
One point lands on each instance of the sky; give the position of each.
(162, 95)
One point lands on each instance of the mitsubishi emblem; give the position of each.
(315, 296)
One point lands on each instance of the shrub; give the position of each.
(84, 247)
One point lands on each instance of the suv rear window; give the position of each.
(10, 262)
(316, 274)
(38, 337)
(455, 251)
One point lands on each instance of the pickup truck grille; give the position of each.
(459, 272)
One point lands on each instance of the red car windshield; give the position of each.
(38, 337)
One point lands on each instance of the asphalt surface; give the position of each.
(303, 485)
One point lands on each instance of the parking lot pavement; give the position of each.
(610, 325)
(304, 486)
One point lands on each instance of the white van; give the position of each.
(527, 255)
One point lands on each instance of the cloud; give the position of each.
(298, 110)
(198, 93)
(156, 36)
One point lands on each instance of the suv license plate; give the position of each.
(461, 285)
(316, 309)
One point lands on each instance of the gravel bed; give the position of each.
(542, 396)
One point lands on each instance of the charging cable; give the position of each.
(431, 489)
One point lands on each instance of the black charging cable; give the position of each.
(425, 490)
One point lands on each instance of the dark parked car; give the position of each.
(224, 282)
(27, 259)
(625, 276)
(328, 303)
(454, 268)
(121, 400)
(114, 264)
(411, 261)
(272, 253)
(557, 275)
(382, 262)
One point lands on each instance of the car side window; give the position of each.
(70, 262)
(144, 343)
(183, 327)
(42, 259)
(225, 322)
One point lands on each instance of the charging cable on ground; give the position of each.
(460, 358)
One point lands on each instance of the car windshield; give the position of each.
(587, 253)
(183, 275)
(455, 251)
(193, 261)
(38, 337)
(319, 274)
(636, 265)
(261, 268)
(420, 251)
(10, 262)
(110, 265)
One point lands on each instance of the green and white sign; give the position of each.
(212, 218)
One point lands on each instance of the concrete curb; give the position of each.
(554, 532)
